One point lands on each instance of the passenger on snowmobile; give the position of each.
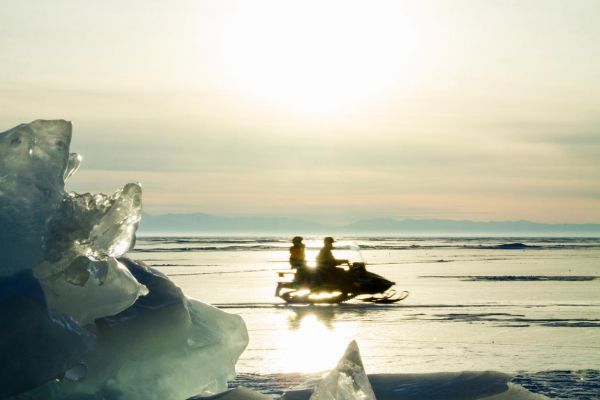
(298, 260)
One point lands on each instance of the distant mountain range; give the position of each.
(211, 224)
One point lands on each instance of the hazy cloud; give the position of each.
(490, 113)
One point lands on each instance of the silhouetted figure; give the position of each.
(327, 270)
(298, 259)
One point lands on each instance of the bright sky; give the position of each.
(329, 110)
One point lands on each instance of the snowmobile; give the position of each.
(307, 286)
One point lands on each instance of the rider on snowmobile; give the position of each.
(327, 265)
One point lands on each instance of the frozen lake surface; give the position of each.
(523, 306)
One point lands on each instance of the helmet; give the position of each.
(297, 239)
(328, 240)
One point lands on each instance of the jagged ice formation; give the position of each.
(76, 318)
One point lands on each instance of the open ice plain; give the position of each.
(475, 304)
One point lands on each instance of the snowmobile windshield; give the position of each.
(355, 253)
(348, 250)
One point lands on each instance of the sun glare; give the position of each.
(318, 56)
(310, 345)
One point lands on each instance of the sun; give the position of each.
(317, 55)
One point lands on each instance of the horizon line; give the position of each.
(315, 219)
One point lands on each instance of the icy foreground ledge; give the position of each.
(349, 381)
(77, 320)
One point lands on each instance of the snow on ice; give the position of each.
(349, 381)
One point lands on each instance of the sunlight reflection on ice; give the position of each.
(311, 344)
